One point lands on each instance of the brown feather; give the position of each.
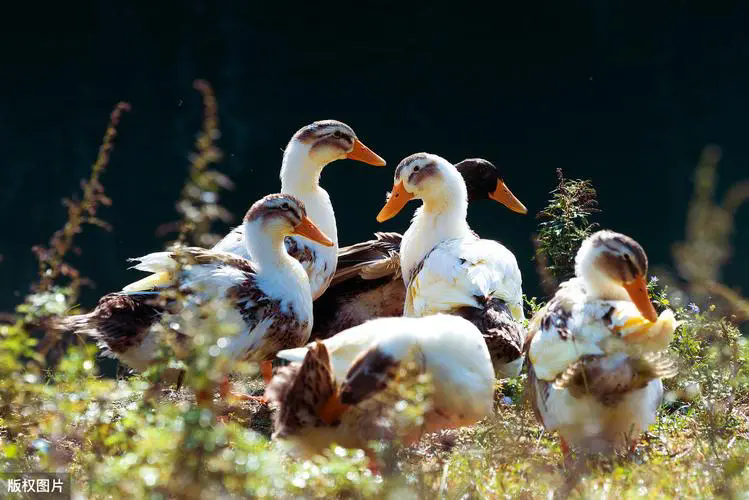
(503, 335)
(609, 378)
(302, 392)
(119, 322)
(368, 375)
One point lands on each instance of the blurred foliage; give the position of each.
(139, 438)
(198, 204)
(80, 212)
(710, 226)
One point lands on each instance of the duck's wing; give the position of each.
(369, 373)
(233, 242)
(366, 285)
(195, 264)
(120, 322)
(608, 378)
(370, 260)
(571, 326)
(464, 272)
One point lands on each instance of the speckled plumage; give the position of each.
(366, 285)
(365, 362)
(594, 362)
(270, 300)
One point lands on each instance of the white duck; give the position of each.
(594, 371)
(447, 268)
(310, 149)
(337, 390)
(367, 283)
(270, 295)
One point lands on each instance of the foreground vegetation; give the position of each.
(133, 438)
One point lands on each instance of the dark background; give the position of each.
(625, 94)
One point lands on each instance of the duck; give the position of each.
(595, 350)
(310, 149)
(270, 296)
(367, 283)
(447, 268)
(343, 389)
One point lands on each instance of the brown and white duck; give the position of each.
(594, 361)
(270, 296)
(340, 390)
(447, 268)
(367, 283)
(310, 149)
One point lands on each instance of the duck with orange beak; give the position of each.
(447, 268)
(367, 283)
(269, 298)
(310, 149)
(594, 351)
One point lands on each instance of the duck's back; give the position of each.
(462, 272)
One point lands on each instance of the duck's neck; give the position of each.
(300, 176)
(598, 286)
(441, 217)
(267, 249)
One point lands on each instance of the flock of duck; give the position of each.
(438, 299)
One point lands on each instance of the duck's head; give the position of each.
(423, 176)
(485, 181)
(281, 215)
(325, 141)
(609, 262)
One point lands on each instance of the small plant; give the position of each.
(565, 223)
(198, 204)
(84, 211)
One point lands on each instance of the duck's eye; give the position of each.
(285, 206)
(338, 134)
(417, 168)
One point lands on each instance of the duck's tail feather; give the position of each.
(119, 321)
(305, 393)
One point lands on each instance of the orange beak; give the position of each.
(332, 409)
(638, 292)
(398, 199)
(363, 153)
(308, 229)
(503, 195)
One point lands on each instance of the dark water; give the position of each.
(625, 96)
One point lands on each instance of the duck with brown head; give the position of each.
(447, 268)
(310, 149)
(270, 297)
(367, 283)
(595, 367)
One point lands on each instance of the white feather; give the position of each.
(459, 270)
(454, 351)
(300, 178)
